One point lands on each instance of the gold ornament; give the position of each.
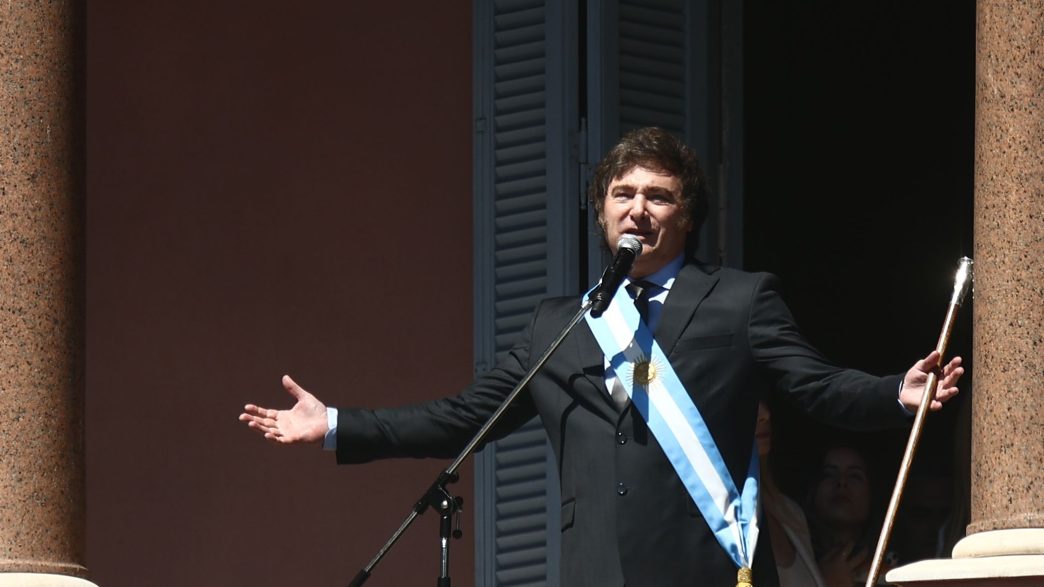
(744, 577)
(644, 372)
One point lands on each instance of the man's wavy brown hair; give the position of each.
(658, 150)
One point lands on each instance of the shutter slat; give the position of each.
(516, 120)
(523, 152)
(520, 558)
(521, 576)
(670, 70)
(521, 103)
(525, 488)
(530, 230)
(529, 134)
(519, 171)
(519, 85)
(527, 186)
(520, 68)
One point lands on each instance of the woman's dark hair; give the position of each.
(875, 511)
(658, 150)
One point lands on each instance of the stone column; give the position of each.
(1005, 543)
(41, 294)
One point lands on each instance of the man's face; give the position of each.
(648, 205)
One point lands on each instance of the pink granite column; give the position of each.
(1005, 543)
(1008, 429)
(41, 293)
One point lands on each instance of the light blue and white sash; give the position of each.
(655, 390)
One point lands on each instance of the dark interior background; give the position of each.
(859, 145)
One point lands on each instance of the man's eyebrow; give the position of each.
(660, 190)
(652, 190)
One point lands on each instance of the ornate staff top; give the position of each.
(962, 281)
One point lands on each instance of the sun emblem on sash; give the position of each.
(644, 372)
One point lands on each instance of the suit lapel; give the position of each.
(692, 285)
(592, 365)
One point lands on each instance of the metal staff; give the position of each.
(960, 288)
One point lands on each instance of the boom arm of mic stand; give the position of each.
(436, 494)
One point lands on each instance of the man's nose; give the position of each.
(638, 204)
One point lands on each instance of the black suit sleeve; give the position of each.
(842, 397)
(440, 428)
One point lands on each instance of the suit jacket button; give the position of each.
(621, 489)
(621, 438)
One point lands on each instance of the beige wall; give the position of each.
(271, 188)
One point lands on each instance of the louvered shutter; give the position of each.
(652, 65)
(526, 236)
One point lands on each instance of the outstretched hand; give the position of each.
(916, 378)
(305, 422)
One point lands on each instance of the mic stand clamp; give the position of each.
(438, 497)
(449, 507)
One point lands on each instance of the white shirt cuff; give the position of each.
(902, 406)
(330, 440)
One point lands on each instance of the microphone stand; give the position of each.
(438, 496)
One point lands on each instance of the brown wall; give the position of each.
(271, 187)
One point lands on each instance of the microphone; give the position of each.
(627, 250)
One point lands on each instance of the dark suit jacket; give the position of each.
(626, 517)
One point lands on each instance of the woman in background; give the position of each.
(843, 518)
(787, 528)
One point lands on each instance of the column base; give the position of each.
(1008, 558)
(42, 580)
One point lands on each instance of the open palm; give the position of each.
(304, 422)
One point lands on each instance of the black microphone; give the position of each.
(627, 250)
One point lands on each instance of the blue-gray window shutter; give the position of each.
(526, 246)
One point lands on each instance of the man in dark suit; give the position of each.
(627, 516)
